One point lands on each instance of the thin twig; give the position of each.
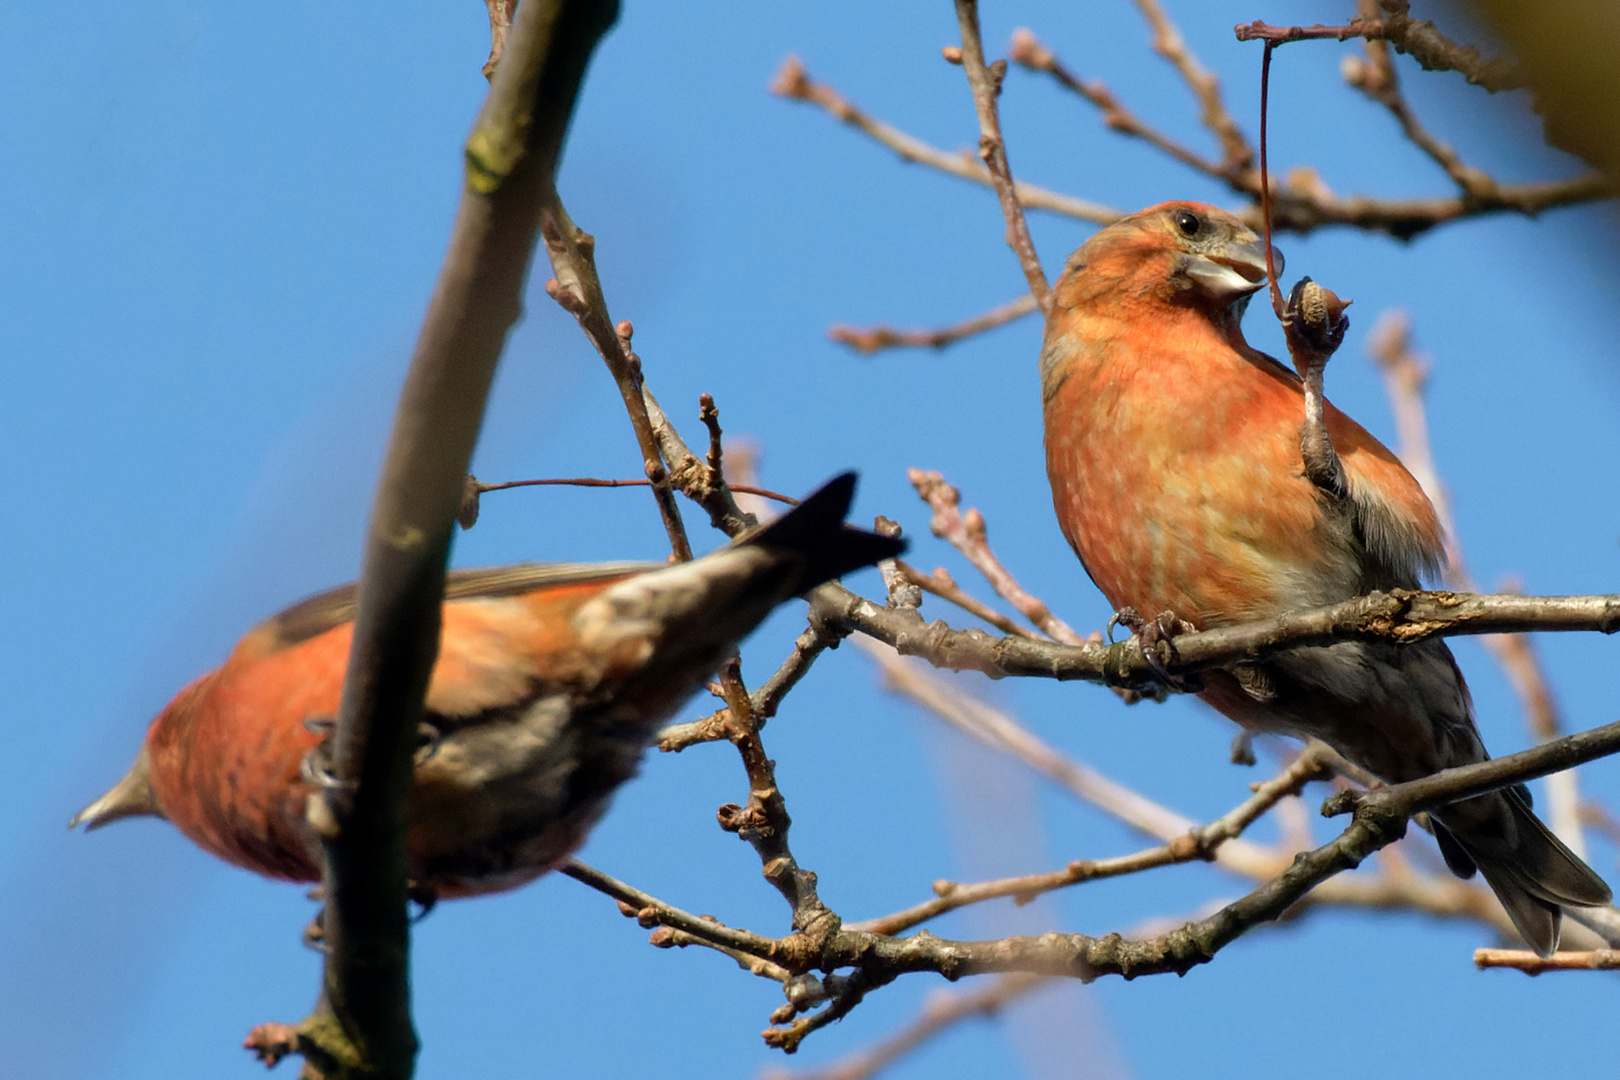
(1203, 842)
(1027, 51)
(691, 475)
(967, 534)
(793, 82)
(764, 822)
(942, 585)
(985, 82)
(943, 1009)
(1212, 111)
(588, 481)
(654, 912)
(1375, 76)
(578, 290)
(1416, 37)
(1531, 964)
(1001, 732)
(809, 645)
(877, 338)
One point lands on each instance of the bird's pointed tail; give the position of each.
(814, 530)
(1531, 871)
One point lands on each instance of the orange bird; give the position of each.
(1174, 453)
(549, 683)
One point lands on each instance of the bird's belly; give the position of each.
(1213, 537)
(505, 798)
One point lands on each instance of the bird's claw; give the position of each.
(1157, 637)
(1314, 317)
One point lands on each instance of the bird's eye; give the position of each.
(1188, 222)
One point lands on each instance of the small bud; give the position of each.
(952, 54)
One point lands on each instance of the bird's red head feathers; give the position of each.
(1186, 253)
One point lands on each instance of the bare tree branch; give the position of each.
(578, 289)
(942, 585)
(967, 533)
(877, 338)
(1531, 964)
(361, 1026)
(1168, 43)
(943, 1009)
(793, 82)
(1201, 843)
(1399, 616)
(1375, 76)
(1027, 51)
(985, 82)
(1417, 38)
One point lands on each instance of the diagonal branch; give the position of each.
(362, 1024)
(578, 289)
(1027, 51)
(985, 82)
(1168, 43)
(792, 81)
(1201, 843)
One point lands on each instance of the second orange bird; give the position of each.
(549, 683)
(1173, 450)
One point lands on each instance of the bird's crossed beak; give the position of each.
(1235, 271)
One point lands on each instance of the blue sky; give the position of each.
(219, 225)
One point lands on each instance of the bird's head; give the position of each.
(1187, 253)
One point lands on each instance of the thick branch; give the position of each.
(1401, 616)
(362, 1024)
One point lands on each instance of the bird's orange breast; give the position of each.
(226, 753)
(1175, 468)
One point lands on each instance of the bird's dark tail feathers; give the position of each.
(815, 531)
(1531, 871)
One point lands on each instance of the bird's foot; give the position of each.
(1243, 748)
(1314, 323)
(1157, 637)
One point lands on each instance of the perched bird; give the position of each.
(1174, 454)
(550, 681)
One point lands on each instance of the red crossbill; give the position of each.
(549, 683)
(1174, 453)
